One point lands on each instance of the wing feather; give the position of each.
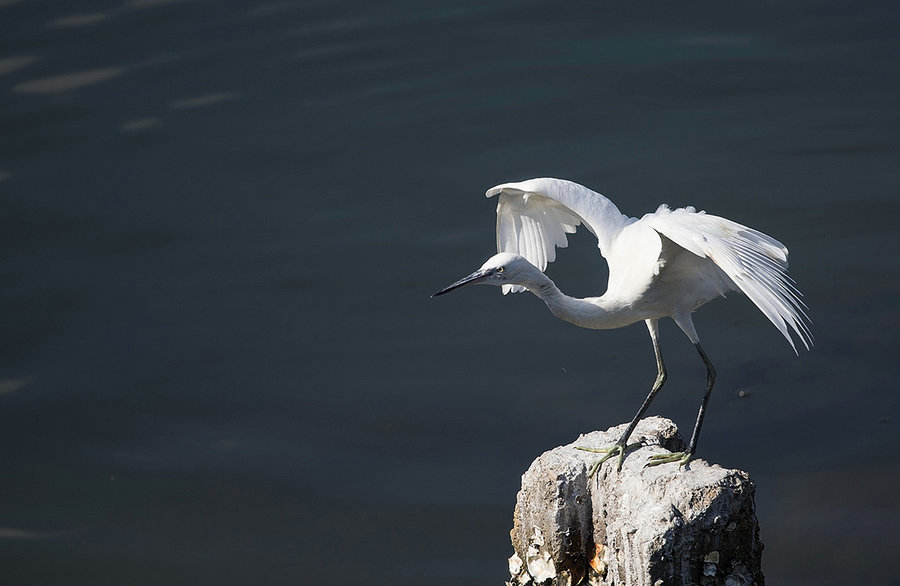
(534, 217)
(755, 262)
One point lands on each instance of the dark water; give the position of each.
(221, 222)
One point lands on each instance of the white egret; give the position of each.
(665, 264)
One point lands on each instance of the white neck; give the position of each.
(597, 313)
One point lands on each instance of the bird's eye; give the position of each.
(499, 269)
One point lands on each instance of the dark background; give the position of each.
(221, 223)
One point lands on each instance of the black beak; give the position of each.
(472, 279)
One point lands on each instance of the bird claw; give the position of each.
(613, 450)
(681, 457)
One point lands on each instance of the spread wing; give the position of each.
(534, 216)
(533, 226)
(756, 262)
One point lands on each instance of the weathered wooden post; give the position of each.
(663, 525)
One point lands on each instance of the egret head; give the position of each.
(504, 268)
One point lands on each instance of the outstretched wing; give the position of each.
(533, 226)
(534, 216)
(757, 263)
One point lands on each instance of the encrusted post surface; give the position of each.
(641, 526)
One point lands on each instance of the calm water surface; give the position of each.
(221, 223)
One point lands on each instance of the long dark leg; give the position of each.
(683, 457)
(654, 390)
(621, 446)
(710, 381)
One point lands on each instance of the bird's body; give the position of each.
(665, 264)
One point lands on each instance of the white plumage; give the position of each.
(533, 218)
(665, 264)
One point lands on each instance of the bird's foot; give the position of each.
(617, 449)
(681, 457)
